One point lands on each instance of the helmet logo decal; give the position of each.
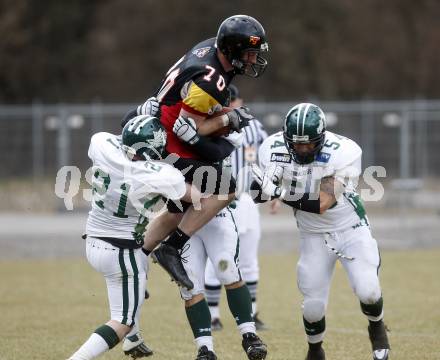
(159, 139)
(300, 138)
(201, 52)
(253, 40)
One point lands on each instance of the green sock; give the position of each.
(240, 304)
(108, 334)
(373, 309)
(199, 319)
(314, 328)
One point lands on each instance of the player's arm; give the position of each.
(330, 190)
(205, 126)
(210, 149)
(150, 107)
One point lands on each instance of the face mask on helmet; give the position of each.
(242, 40)
(304, 132)
(145, 137)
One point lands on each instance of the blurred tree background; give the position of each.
(118, 50)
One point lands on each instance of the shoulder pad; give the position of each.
(339, 151)
(273, 149)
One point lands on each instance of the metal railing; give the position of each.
(402, 136)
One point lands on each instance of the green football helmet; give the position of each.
(304, 124)
(144, 136)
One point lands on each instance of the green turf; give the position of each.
(48, 308)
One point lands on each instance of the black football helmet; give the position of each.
(239, 34)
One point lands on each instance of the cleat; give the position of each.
(205, 354)
(135, 347)
(254, 348)
(379, 340)
(381, 354)
(259, 325)
(147, 294)
(171, 261)
(216, 324)
(316, 352)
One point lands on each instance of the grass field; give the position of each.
(48, 308)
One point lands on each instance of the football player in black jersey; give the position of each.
(193, 89)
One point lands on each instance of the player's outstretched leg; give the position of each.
(315, 334)
(102, 340)
(199, 319)
(240, 304)
(316, 352)
(379, 340)
(376, 329)
(170, 258)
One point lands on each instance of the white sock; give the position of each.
(91, 349)
(215, 312)
(247, 327)
(313, 339)
(204, 341)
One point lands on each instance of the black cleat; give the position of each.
(205, 354)
(135, 347)
(216, 324)
(316, 352)
(253, 346)
(171, 261)
(379, 340)
(259, 325)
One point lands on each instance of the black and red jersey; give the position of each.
(199, 84)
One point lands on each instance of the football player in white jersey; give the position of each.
(218, 242)
(316, 171)
(127, 181)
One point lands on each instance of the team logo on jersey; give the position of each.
(280, 157)
(323, 157)
(201, 52)
(254, 40)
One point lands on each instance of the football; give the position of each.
(224, 130)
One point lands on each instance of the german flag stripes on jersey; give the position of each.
(197, 83)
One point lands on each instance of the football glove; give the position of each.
(239, 118)
(149, 107)
(186, 130)
(266, 180)
(235, 139)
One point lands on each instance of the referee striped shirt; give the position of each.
(244, 156)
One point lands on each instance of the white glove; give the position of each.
(239, 118)
(235, 138)
(264, 180)
(149, 107)
(186, 130)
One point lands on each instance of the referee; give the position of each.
(247, 219)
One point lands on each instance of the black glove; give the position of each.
(239, 118)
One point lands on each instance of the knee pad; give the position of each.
(226, 270)
(368, 293)
(313, 310)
